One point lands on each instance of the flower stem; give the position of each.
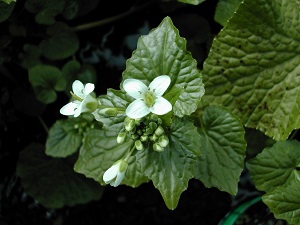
(98, 23)
(130, 153)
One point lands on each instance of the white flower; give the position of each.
(148, 99)
(84, 102)
(115, 174)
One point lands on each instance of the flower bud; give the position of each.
(139, 145)
(134, 136)
(159, 131)
(148, 131)
(144, 138)
(153, 117)
(154, 137)
(121, 137)
(163, 141)
(152, 125)
(129, 125)
(108, 112)
(115, 174)
(157, 147)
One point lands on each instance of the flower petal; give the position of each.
(160, 84)
(119, 179)
(78, 88)
(89, 87)
(69, 109)
(137, 109)
(134, 88)
(111, 173)
(161, 106)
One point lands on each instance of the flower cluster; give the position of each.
(142, 124)
(143, 131)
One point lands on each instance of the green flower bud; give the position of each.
(146, 120)
(159, 131)
(152, 125)
(163, 141)
(148, 131)
(108, 112)
(144, 138)
(121, 137)
(129, 125)
(154, 137)
(92, 106)
(157, 147)
(134, 136)
(139, 145)
(159, 121)
(139, 132)
(153, 117)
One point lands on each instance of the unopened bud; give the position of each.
(139, 145)
(163, 141)
(153, 117)
(108, 112)
(148, 131)
(129, 125)
(144, 138)
(159, 131)
(134, 136)
(121, 137)
(152, 125)
(154, 137)
(157, 147)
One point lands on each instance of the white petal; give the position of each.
(137, 109)
(161, 106)
(111, 173)
(119, 179)
(78, 87)
(89, 87)
(134, 88)
(69, 109)
(160, 84)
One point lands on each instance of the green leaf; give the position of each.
(225, 10)
(284, 202)
(6, 10)
(8, 1)
(192, 2)
(53, 182)
(163, 52)
(64, 138)
(46, 80)
(117, 99)
(31, 56)
(71, 9)
(61, 44)
(100, 151)
(252, 68)
(171, 169)
(275, 166)
(223, 145)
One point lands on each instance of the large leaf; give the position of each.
(276, 165)
(163, 51)
(284, 202)
(171, 169)
(224, 146)
(225, 10)
(253, 66)
(53, 182)
(100, 151)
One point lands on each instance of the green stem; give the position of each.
(43, 124)
(87, 26)
(130, 153)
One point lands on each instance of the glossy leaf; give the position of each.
(275, 166)
(224, 149)
(252, 68)
(225, 10)
(163, 52)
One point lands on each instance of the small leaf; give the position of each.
(225, 10)
(284, 202)
(224, 149)
(46, 80)
(6, 10)
(64, 138)
(275, 166)
(53, 182)
(62, 43)
(163, 52)
(171, 169)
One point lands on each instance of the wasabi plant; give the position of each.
(173, 118)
